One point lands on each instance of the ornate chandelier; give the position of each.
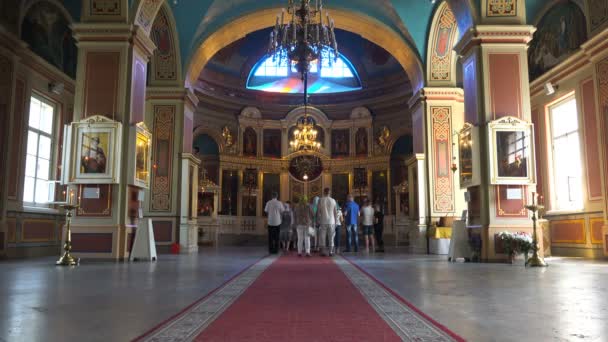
(302, 39)
(305, 135)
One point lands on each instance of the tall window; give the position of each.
(36, 188)
(567, 169)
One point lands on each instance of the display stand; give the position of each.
(459, 244)
(144, 246)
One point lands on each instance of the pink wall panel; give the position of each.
(596, 229)
(594, 174)
(513, 208)
(92, 242)
(37, 230)
(163, 231)
(505, 85)
(101, 83)
(568, 231)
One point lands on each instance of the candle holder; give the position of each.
(67, 259)
(535, 260)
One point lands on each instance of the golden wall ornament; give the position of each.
(383, 136)
(227, 135)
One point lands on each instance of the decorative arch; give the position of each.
(213, 132)
(165, 64)
(465, 14)
(317, 114)
(144, 12)
(366, 26)
(441, 58)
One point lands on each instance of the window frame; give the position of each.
(52, 155)
(555, 208)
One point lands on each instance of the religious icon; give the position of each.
(360, 178)
(141, 158)
(340, 142)
(250, 142)
(512, 151)
(93, 158)
(95, 143)
(250, 178)
(361, 142)
(272, 143)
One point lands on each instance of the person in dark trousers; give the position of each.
(379, 228)
(339, 225)
(274, 208)
(351, 213)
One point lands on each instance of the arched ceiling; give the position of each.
(221, 86)
(410, 19)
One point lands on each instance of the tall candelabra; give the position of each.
(67, 259)
(535, 260)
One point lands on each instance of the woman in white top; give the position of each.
(368, 225)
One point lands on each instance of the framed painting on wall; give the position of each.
(468, 156)
(340, 143)
(95, 150)
(141, 148)
(511, 151)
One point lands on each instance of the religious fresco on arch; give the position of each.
(47, 31)
(560, 32)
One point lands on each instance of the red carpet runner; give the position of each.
(300, 299)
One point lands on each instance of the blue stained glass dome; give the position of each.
(278, 76)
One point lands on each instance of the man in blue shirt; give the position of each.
(351, 213)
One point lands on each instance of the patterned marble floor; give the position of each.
(102, 301)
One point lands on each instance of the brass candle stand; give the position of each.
(535, 260)
(67, 259)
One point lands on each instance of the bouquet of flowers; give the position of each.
(516, 242)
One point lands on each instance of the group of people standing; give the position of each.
(322, 220)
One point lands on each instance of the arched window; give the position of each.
(278, 76)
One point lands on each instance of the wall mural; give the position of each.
(250, 142)
(340, 143)
(164, 65)
(48, 33)
(560, 32)
(441, 49)
(361, 142)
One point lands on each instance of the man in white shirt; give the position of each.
(274, 208)
(327, 213)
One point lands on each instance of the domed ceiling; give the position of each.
(223, 82)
